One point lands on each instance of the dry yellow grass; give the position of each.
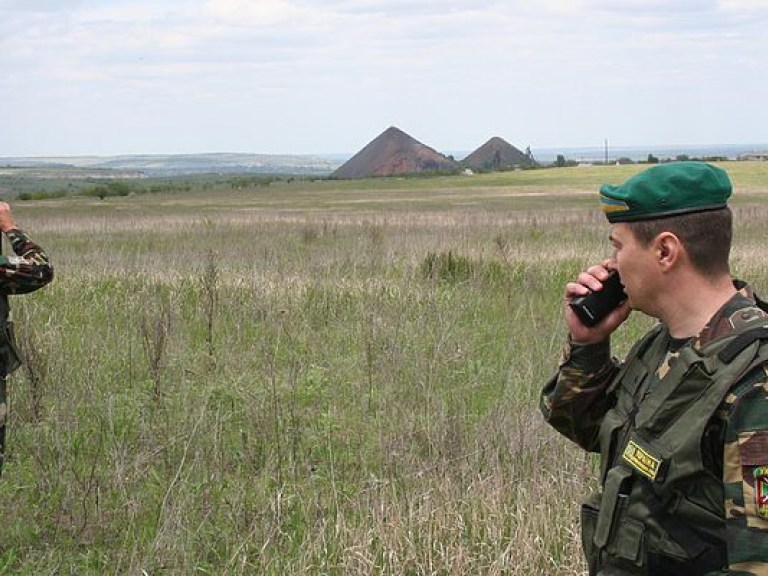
(261, 382)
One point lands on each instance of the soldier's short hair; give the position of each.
(705, 235)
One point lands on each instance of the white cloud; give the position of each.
(253, 12)
(749, 6)
(39, 5)
(458, 68)
(136, 12)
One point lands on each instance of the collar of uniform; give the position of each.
(723, 321)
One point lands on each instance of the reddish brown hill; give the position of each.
(394, 152)
(497, 154)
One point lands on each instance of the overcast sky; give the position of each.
(327, 76)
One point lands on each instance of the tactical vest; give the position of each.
(661, 509)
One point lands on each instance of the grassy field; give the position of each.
(309, 377)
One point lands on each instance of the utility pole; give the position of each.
(606, 151)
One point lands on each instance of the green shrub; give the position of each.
(447, 267)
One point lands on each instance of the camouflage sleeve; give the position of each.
(574, 400)
(745, 475)
(28, 269)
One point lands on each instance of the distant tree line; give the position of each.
(104, 190)
(127, 187)
(562, 162)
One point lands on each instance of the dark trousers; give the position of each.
(3, 419)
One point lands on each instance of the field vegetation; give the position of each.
(309, 377)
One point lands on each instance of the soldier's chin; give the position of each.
(635, 307)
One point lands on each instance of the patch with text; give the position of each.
(641, 460)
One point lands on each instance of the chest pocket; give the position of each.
(672, 405)
(617, 422)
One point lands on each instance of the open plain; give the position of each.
(310, 377)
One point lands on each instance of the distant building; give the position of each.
(754, 156)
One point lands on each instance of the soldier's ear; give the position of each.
(668, 250)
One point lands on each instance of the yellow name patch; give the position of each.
(641, 460)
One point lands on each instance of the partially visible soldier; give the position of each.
(26, 271)
(682, 424)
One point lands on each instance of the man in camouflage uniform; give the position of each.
(25, 271)
(682, 423)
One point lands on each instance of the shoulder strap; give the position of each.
(762, 304)
(635, 354)
(740, 342)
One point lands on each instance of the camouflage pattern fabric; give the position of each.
(745, 474)
(27, 270)
(575, 401)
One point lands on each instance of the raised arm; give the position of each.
(28, 268)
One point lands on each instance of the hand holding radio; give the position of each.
(595, 306)
(591, 300)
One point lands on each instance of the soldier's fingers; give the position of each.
(575, 289)
(592, 278)
(600, 271)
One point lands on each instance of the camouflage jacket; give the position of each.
(575, 401)
(27, 269)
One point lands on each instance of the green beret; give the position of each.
(666, 190)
